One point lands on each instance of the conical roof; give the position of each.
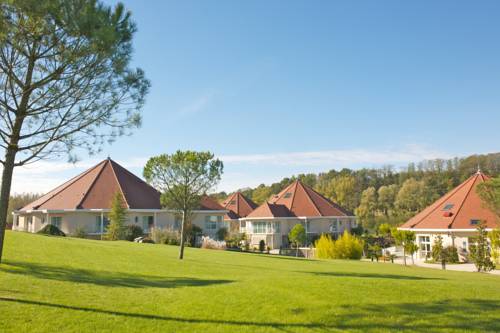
(461, 208)
(299, 200)
(95, 188)
(238, 206)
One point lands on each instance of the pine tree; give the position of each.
(117, 217)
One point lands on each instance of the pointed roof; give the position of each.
(299, 200)
(208, 203)
(95, 188)
(456, 209)
(238, 206)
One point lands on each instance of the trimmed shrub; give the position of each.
(50, 229)
(324, 247)
(133, 231)
(222, 234)
(165, 236)
(262, 245)
(451, 254)
(80, 232)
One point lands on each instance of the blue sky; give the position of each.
(276, 88)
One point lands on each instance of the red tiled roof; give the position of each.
(207, 203)
(95, 188)
(299, 200)
(462, 204)
(238, 206)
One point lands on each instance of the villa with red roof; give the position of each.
(238, 206)
(85, 201)
(296, 204)
(454, 217)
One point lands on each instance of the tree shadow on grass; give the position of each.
(103, 278)
(447, 315)
(373, 276)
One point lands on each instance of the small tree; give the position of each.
(117, 217)
(412, 248)
(183, 178)
(494, 237)
(480, 252)
(438, 254)
(403, 238)
(297, 237)
(222, 233)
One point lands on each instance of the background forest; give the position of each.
(386, 195)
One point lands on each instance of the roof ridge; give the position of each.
(309, 197)
(465, 197)
(118, 182)
(68, 183)
(92, 183)
(443, 199)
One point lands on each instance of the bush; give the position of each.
(324, 247)
(80, 233)
(209, 243)
(451, 254)
(50, 229)
(348, 247)
(133, 231)
(222, 234)
(165, 236)
(192, 232)
(262, 245)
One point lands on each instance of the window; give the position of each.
(287, 195)
(259, 227)
(147, 223)
(425, 244)
(448, 207)
(266, 227)
(475, 222)
(105, 223)
(211, 222)
(177, 222)
(56, 221)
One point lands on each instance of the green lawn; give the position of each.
(50, 284)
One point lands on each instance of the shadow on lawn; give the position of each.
(104, 278)
(372, 275)
(463, 315)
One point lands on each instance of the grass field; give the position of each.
(50, 284)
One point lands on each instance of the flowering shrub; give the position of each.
(165, 236)
(209, 243)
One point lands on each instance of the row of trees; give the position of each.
(385, 195)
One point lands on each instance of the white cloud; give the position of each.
(197, 105)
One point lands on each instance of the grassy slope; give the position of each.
(52, 284)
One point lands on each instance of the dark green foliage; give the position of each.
(133, 231)
(262, 245)
(222, 234)
(18, 201)
(50, 229)
(451, 254)
(193, 231)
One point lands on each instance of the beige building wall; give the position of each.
(461, 240)
(90, 221)
(315, 226)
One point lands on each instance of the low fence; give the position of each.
(303, 252)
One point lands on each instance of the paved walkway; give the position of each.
(457, 267)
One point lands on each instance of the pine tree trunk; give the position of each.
(8, 169)
(181, 250)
